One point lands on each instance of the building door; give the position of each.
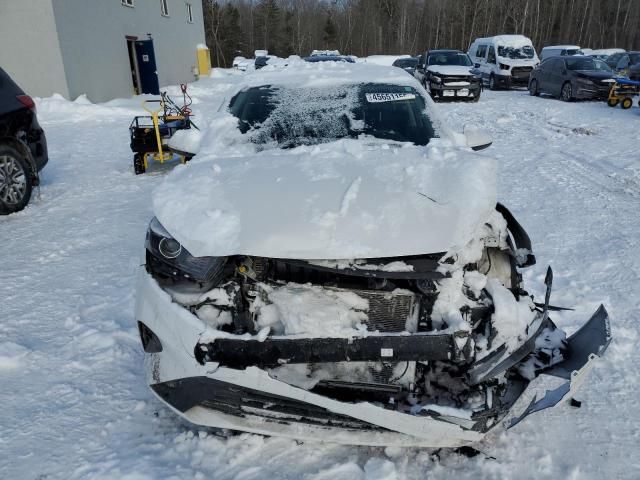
(133, 64)
(146, 60)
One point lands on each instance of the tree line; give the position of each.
(366, 27)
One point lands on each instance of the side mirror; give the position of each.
(477, 65)
(477, 139)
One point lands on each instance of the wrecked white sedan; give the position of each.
(334, 266)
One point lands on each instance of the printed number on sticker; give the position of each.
(386, 352)
(388, 97)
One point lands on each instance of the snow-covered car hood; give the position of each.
(519, 62)
(449, 69)
(347, 199)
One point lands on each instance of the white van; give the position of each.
(560, 51)
(504, 60)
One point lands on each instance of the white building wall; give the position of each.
(92, 36)
(29, 47)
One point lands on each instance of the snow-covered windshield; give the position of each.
(511, 52)
(449, 58)
(587, 63)
(287, 117)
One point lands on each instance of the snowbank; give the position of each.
(385, 60)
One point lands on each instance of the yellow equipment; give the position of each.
(622, 92)
(150, 133)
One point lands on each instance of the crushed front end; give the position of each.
(430, 350)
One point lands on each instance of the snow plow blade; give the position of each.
(585, 346)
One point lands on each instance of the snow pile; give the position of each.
(59, 109)
(186, 140)
(324, 74)
(510, 318)
(385, 60)
(11, 355)
(296, 309)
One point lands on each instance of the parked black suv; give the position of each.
(449, 75)
(23, 146)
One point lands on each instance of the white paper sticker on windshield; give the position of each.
(388, 97)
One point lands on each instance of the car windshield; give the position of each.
(587, 63)
(512, 52)
(328, 58)
(287, 117)
(449, 58)
(406, 63)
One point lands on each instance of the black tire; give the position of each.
(613, 102)
(138, 164)
(566, 94)
(533, 88)
(476, 99)
(16, 180)
(626, 103)
(492, 82)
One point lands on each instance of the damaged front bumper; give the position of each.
(225, 383)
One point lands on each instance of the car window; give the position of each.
(481, 51)
(545, 65)
(516, 53)
(491, 57)
(288, 117)
(586, 63)
(615, 57)
(406, 62)
(449, 58)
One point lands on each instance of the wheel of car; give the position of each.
(492, 82)
(613, 102)
(533, 88)
(476, 98)
(626, 103)
(138, 164)
(567, 92)
(15, 180)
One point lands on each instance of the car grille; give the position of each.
(521, 73)
(456, 78)
(231, 399)
(388, 312)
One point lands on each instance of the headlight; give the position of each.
(435, 79)
(167, 258)
(585, 81)
(504, 67)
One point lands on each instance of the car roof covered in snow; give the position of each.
(565, 47)
(301, 74)
(507, 40)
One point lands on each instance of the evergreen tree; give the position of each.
(330, 34)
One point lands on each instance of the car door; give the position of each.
(492, 64)
(541, 75)
(556, 75)
(479, 60)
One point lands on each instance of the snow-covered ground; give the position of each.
(73, 400)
